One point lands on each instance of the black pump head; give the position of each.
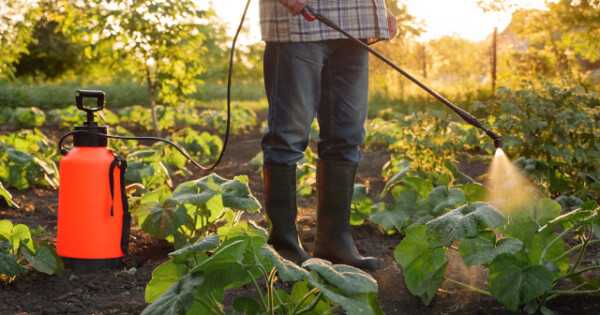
(98, 95)
(91, 139)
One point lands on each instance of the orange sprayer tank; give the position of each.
(93, 215)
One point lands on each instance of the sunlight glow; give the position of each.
(439, 17)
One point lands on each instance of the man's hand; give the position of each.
(392, 25)
(295, 6)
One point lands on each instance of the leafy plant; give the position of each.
(194, 208)
(194, 280)
(7, 197)
(71, 116)
(204, 147)
(555, 131)
(18, 251)
(145, 167)
(409, 199)
(525, 252)
(22, 170)
(28, 117)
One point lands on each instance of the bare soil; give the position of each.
(122, 291)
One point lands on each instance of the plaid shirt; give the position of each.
(364, 19)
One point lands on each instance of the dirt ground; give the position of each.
(122, 291)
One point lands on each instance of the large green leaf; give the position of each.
(200, 246)
(474, 192)
(350, 280)
(442, 198)
(389, 217)
(355, 305)
(164, 220)
(515, 282)
(163, 277)
(466, 221)
(423, 260)
(43, 260)
(9, 265)
(287, 270)
(236, 192)
(16, 235)
(483, 248)
(178, 298)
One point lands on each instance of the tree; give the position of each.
(50, 53)
(16, 18)
(160, 43)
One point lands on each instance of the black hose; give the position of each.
(177, 147)
(310, 14)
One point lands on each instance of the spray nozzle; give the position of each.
(98, 95)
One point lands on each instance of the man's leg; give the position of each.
(292, 81)
(342, 114)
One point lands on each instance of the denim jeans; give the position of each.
(327, 79)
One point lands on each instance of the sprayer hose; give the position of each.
(177, 147)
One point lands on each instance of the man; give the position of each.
(311, 70)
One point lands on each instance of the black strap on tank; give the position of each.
(126, 227)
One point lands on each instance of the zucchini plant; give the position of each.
(195, 278)
(194, 208)
(526, 253)
(19, 252)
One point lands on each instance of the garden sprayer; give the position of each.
(93, 212)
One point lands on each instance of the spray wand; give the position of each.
(310, 15)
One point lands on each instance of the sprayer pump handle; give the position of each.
(98, 95)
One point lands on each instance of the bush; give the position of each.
(555, 133)
(49, 96)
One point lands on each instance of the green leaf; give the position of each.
(515, 282)
(163, 277)
(356, 305)
(466, 221)
(396, 178)
(350, 280)
(474, 192)
(422, 186)
(164, 220)
(5, 194)
(390, 218)
(236, 192)
(9, 265)
(287, 270)
(423, 261)
(178, 298)
(483, 248)
(442, 198)
(6, 229)
(246, 305)
(200, 246)
(44, 260)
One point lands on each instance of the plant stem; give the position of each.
(575, 273)
(258, 289)
(575, 292)
(304, 298)
(270, 283)
(572, 249)
(586, 242)
(554, 240)
(312, 305)
(468, 286)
